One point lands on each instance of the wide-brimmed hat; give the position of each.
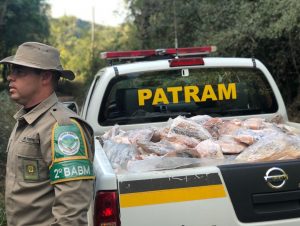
(40, 56)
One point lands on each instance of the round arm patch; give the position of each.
(70, 159)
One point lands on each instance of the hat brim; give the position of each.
(68, 74)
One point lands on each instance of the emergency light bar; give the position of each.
(204, 50)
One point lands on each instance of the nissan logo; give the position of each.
(276, 177)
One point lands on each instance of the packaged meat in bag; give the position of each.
(200, 119)
(119, 154)
(290, 130)
(144, 135)
(117, 135)
(188, 128)
(254, 123)
(159, 148)
(209, 149)
(229, 127)
(184, 153)
(250, 136)
(213, 125)
(114, 131)
(190, 142)
(273, 147)
(230, 146)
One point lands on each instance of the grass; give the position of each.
(2, 211)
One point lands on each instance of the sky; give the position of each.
(107, 12)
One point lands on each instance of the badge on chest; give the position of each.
(30, 169)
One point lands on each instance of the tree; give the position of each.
(20, 21)
(265, 29)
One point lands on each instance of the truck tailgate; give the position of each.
(174, 197)
(189, 197)
(264, 191)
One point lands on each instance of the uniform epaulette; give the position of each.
(61, 118)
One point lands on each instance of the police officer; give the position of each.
(49, 175)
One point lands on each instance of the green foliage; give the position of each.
(7, 110)
(2, 211)
(70, 37)
(24, 20)
(265, 29)
(21, 21)
(80, 51)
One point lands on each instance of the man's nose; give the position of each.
(10, 77)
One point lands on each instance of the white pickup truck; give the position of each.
(163, 84)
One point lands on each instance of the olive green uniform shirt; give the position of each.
(30, 198)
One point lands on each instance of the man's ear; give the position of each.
(46, 77)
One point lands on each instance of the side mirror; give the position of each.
(72, 105)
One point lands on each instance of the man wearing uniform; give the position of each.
(49, 174)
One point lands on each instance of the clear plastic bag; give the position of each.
(209, 149)
(119, 154)
(272, 147)
(142, 135)
(200, 140)
(160, 163)
(188, 128)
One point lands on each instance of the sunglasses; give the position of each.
(21, 70)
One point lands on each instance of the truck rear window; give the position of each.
(159, 95)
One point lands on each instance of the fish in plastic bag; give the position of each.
(119, 154)
(143, 135)
(209, 149)
(201, 119)
(249, 136)
(273, 147)
(184, 153)
(160, 148)
(182, 139)
(229, 127)
(230, 146)
(254, 123)
(188, 128)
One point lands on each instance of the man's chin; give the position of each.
(13, 96)
(16, 99)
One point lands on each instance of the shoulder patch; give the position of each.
(70, 160)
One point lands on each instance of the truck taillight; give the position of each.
(182, 62)
(106, 209)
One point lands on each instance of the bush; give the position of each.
(294, 110)
(2, 211)
(7, 110)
